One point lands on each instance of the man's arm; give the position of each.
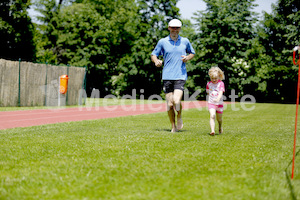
(157, 62)
(188, 57)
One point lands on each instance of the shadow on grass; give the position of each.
(184, 130)
(169, 130)
(288, 178)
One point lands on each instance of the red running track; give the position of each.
(25, 118)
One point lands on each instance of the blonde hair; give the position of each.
(216, 71)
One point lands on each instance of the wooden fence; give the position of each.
(32, 84)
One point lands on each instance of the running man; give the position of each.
(176, 51)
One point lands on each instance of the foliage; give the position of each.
(114, 39)
(96, 34)
(278, 34)
(225, 34)
(48, 10)
(16, 30)
(139, 72)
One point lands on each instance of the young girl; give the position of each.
(215, 89)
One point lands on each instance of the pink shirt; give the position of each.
(213, 91)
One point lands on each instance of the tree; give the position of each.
(92, 33)
(16, 30)
(226, 29)
(113, 38)
(121, 27)
(47, 50)
(136, 69)
(279, 33)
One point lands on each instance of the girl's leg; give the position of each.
(212, 113)
(219, 119)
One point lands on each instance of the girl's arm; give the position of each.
(219, 97)
(207, 88)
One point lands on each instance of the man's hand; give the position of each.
(184, 58)
(158, 63)
(187, 58)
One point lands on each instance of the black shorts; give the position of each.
(171, 85)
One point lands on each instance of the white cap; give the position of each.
(175, 23)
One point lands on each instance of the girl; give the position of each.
(215, 89)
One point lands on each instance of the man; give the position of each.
(176, 51)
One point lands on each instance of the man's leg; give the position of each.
(178, 107)
(170, 109)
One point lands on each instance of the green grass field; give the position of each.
(137, 157)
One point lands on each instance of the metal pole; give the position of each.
(19, 93)
(45, 104)
(84, 84)
(67, 95)
(58, 92)
(297, 104)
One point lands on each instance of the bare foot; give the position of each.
(179, 123)
(220, 130)
(174, 130)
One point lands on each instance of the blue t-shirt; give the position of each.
(174, 68)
